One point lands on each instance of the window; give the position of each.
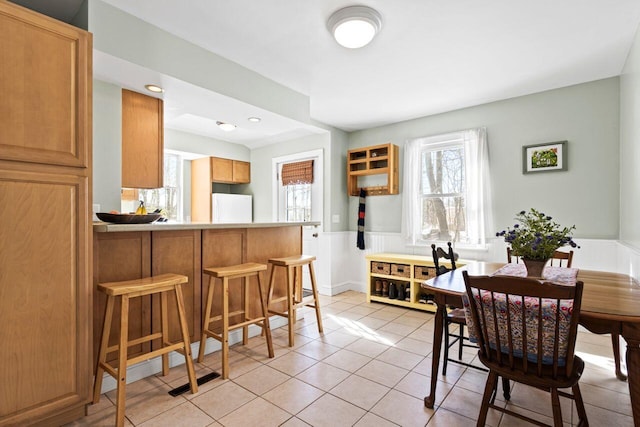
(297, 187)
(167, 197)
(446, 189)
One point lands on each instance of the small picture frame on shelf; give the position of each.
(548, 157)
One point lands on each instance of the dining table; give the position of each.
(610, 304)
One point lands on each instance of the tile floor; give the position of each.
(371, 367)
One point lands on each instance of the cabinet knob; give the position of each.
(315, 234)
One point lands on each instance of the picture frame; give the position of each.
(547, 157)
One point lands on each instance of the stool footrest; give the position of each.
(137, 341)
(219, 317)
(238, 325)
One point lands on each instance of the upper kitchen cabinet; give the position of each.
(46, 79)
(208, 170)
(142, 140)
(227, 171)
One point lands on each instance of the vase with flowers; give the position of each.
(536, 238)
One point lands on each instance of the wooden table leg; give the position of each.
(631, 333)
(435, 355)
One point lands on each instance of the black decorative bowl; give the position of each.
(127, 218)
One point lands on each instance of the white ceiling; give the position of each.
(431, 56)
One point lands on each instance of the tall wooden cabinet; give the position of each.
(207, 170)
(45, 212)
(142, 140)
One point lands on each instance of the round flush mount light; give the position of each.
(354, 26)
(254, 119)
(227, 127)
(154, 88)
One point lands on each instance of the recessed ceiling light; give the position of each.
(154, 88)
(254, 119)
(354, 26)
(227, 127)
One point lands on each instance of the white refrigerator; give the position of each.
(231, 208)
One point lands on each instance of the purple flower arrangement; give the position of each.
(537, 236)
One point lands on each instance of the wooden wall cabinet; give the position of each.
(375, 160)
(207, 170)
(45, 211)
(142, 140)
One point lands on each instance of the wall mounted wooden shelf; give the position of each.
(379, 160)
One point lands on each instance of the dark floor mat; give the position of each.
(186, 387)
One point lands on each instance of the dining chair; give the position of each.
(526, 331)
(453, 315)
(565, 259)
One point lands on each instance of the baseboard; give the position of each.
(154, 366)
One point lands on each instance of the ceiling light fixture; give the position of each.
(354, 26)
(254, 119)
(154, 88)
(227, 127)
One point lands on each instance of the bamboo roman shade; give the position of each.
(297, 173)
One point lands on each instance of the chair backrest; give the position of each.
(438, 253)
(559, 258)
(526, 325)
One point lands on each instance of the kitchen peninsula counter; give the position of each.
(106, 227)
(133, 251)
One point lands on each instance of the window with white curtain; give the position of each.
(446, 189)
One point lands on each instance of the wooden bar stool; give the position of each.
(294, 294)
(137, 288)
(244, 271)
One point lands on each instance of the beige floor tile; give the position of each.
(467, 403)
(414, 384)
(415, 346)
(347, 360)
(310, 331)
(184, 415)
(385, 315)
(331, 411)
(538, 401)
(103, 404)
(258, 412)
(261, 380)
(363, 309)
(382, 373)
(292, 363)
(293, 395)
(367, 347)
(445, 418)
(400, 358)
(104, 418)
(413, 321)
(317, 349)
(510, 421)
(140, 386)
(372, 420)
(372, 322)
(323, 376)
(351, 315)
(295, 422)
(222, 400)
(607, 399)
(360, 391)
(298, 341)
(337, 306)
(340, 338)
(149, 404)
(602, 417)
(422, 334)
(403, 409)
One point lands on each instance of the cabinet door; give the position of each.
(221, 170)
(45, 85)
(241, 172)
(45, 294)
(142, 140)
(178, 252)
(118, 257)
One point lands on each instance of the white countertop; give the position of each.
(106, 227)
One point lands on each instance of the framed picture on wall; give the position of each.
(548, 157)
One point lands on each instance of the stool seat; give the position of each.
(233, 271)
(144, 286)
(295, 260)
(294, 295)
(244, 271)
(123, 292)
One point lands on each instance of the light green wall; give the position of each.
(107, 145)
(630, 147)
(333, 144)
(192, 143)
(124, 36)
(587, 195)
